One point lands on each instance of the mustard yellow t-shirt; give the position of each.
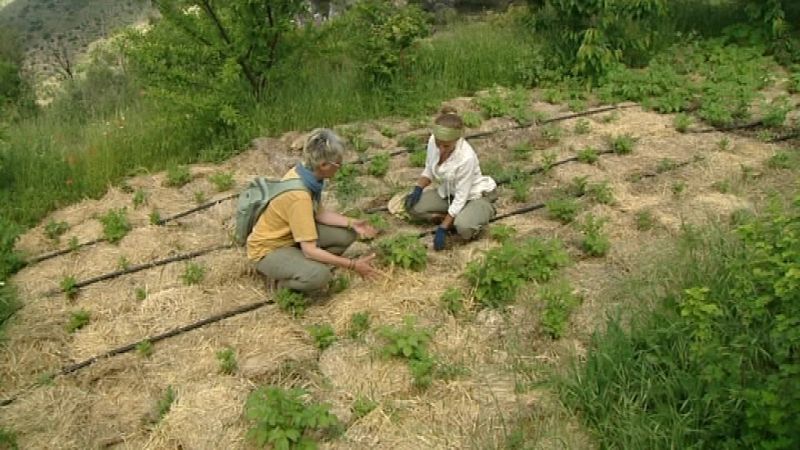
(289, 218)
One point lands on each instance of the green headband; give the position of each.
(446, 134)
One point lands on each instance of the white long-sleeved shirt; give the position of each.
(459, 176)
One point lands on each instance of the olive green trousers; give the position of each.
(468, 223)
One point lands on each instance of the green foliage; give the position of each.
(552, 132)
(383, 35)
(562, 209)
(403, 250)
(503, 270)
(346, 186)
(781, 160)
(644, 220)
(724, 144)
(559, 303)
(588, 155)
(69, 286)
(291, 301)
(379, 165)
(548, 160)
(601, 192)
(139, 198)
(340, 283)
(193, 273)
(718, 330)
(774, 113)
(8, 439)
(678, 187)
(411, 343)
(522, 151)
(154, 217)
(583, 126)
(199, 197)
(177, 175)
(622, 144)
(283, 420)
(123, 263)
(359, 324)
(53, 230)
(77, 320)
(378, 221)
(722, 186)
(73, 243)
(682, 122)
(164, 403)
(471, 119)
(323, 335)
(502, 232)
(520, 184)
(140, 293)
(501, 102)
(417, 158)
(145, 348)
(227, 361)
(577, 186)
(595, 242)
(665, 165)
(115, 224)
(363, 406)
(452, 301)
(222, 180)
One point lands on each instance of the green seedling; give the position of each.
(378, 221)
(588, 155)
(548, 161)
(405, 250)
(193, 273)
(115, 225)
(577, 187)
(665, 165)
(338, 284)
(722, 186)
(73, 243)
(644, 220)
(227, 361)
(123, 263)
(682, 122)
(775, 112)
(199, 197)
(359, 324)
(155, 217)
(595, 242)
(222, 181)
(611, 117)
(502, 232)
(53, 230)
(69, 287)
(471, 119)
(379, 165)
(290, 301)
(582, 126)
(139, 198)
(623, 144)
(346, 186)
(323, 335)
(360, 145)
(520, 185)
(560, 302)
(724, 144)
(177, 176)
(144, 348)
(411, 343)
(363, 406)
(164, 403)
(140, 293)
(780, 160)
(78, 320)
(388, 131)
(601, 192)
(678, 187)
(552, 132)
(283, 420)
(452, 301)
(417, 158)
(562, 209)
(522, 151)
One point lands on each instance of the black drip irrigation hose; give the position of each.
(46, 256)
(140, 267)
(746, 126)
(196, 209)
(786, 137)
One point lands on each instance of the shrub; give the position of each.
(323, 335)
(78, 320)
(559, 302)
(177, 176)
(404, 250)
(379, 165)
(291, 301)
(227, 361)
(595, 242)
(222, 181)
(193, 273)
(115, 225)
(282, 419)
(359, 324)
(53, 230)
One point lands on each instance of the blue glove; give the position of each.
(439, 239)
(413, 198)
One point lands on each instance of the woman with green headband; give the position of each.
(464, 197)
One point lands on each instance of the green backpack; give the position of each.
(254, 199)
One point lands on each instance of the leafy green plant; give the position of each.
(140, 293)
(722, 186)
(595, 242)
(665, 165)
(144, 348)
(193, 273)
(522, 151)
(411, 343)
(291, 301)
(588, 155)
(154, 217)
(622, 144)
(69, 286)
(548, 161)
(388, 131)
(503, 270)
(363, 406)
(123, 263)
(471, 119)
(774, 113)
(552, 132)
(339, 284)
(724, 144)
(601, 192)
(378, 221)
(780, 160)
(379, 165)
(610, 117)
(678, 187)
(199, 197)
(359, 143)
(404, 250)
(53, 230)
(177, 175)
(115, 224)
(283, 420)
(227, 361)
(520, 185)
(222, 180)
(682, 122)
(582, 126)
(417, 158)
(8, 439)
(73, 243)
(323, 335)
(139, 198)
(502, 232)
(346, 185)
(452, 301)
(644, 220)
(562, 209)
(78, 320)
(559, 303)
(359, 324)
(577, 186)
(164, 404)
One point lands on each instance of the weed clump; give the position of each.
(452, 301)
(588, 155)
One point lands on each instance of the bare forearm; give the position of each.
(321, 255)
(333, 219)
(423, 182)
(447, 222)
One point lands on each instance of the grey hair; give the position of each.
(322, 145)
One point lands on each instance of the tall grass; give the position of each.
(709, 359)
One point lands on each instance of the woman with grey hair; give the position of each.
(295, 239)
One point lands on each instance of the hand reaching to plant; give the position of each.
(363, 266)
(364, 229)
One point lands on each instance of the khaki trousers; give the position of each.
(293, 270)
(468, 223)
